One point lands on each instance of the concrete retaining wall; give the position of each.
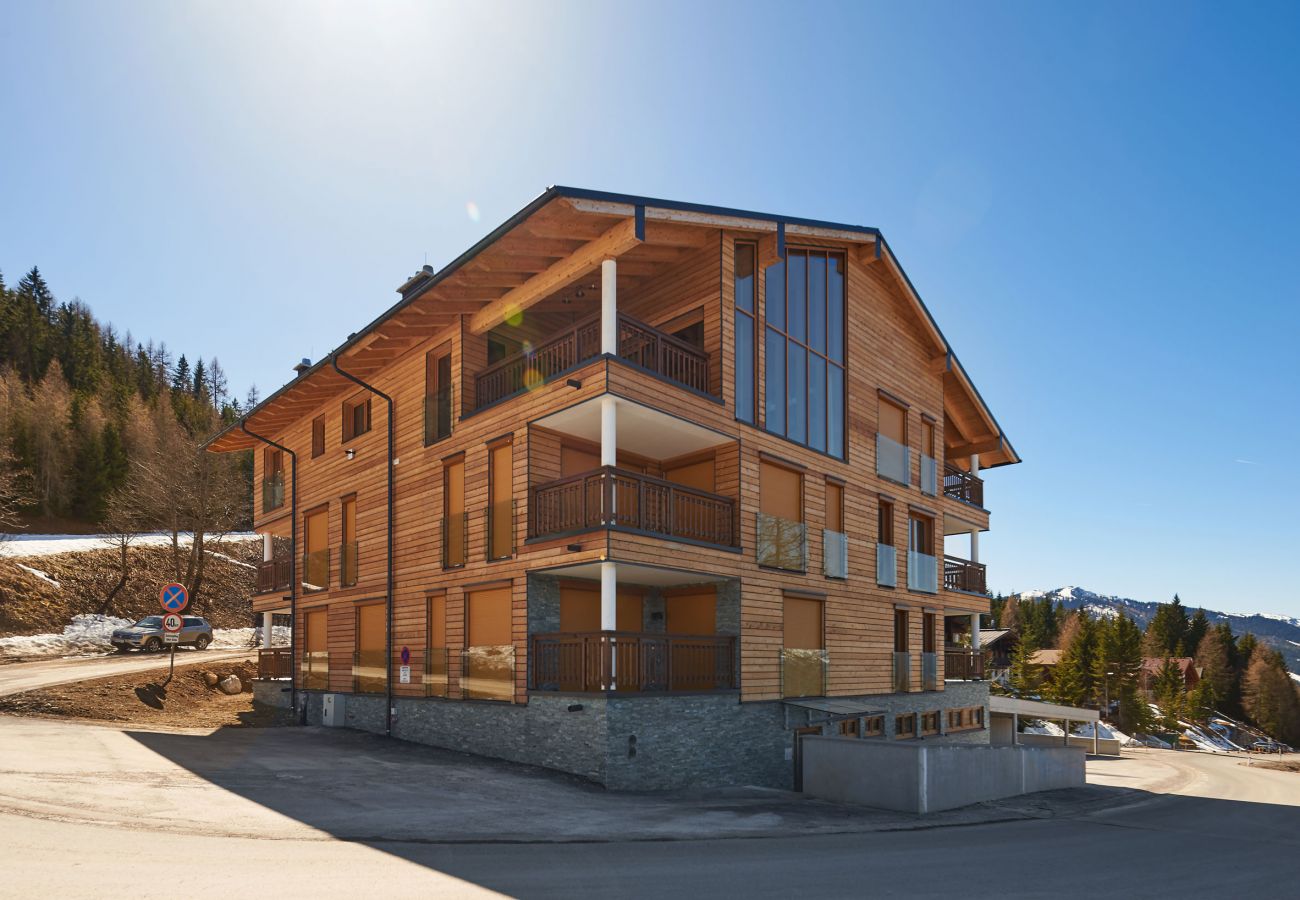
(272, 693)
(921, 777)
(1107, 746)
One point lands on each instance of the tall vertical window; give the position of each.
(490, 653)
(886, 555)
(435, 647)
(500, 514)
(453, 512)
(272, 479)
(437, 394)
(927, 632)
(782, 535)
(356, 416)
(803, 654)
(902, 637)
(348, 551)
(316, 553)
(369, 667)
(804, 349)
(745, 331)
(317, 437)
(315, 651)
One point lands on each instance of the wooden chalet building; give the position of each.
(636, 489)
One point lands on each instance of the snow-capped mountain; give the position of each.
(1278, 632)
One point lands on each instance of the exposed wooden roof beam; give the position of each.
(614, 242)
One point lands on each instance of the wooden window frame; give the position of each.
(756, 325)
(493, 446)
(806, 344)
(903, 638)
(456, 459)
(873, 726)
(911, 720)
(362, 399)
(885, 524)
(923, 725)
(835, 484)
(432, 386)
(915, 515)
(929, 626)
(344, 502)
(318, 436)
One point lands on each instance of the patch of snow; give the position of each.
(1104, 731)
(1280, 618)
(43, 576)
(89, 635)
(1294, 676)
(231, 559)
(23, 545)
(1042, 726)
(1209, 741)
(1102, 612)
(85, 635)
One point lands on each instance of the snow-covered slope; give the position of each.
(49, 544)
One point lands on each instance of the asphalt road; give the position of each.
(29, 676)
(89, 811)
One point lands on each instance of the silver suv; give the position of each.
(147, 634)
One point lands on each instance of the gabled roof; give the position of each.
(537, 245)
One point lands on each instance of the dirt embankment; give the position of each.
(30, 604)
(141, 698)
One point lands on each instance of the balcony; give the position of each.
(274, 663)
(782, 543)
(893, 460)
(963, 665)
(634, 662)
(273, 492)
(639, 344)
(922, 572)
(316, 570)
(489, 672)
(929, 475)
(886, 565)
(274, 575)
(964, 575)
(835, 554)
(963, 486)
(804, 672)
(611, 497)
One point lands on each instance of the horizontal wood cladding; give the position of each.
(886, 350)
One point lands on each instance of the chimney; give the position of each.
(427, 270)
(302, 366)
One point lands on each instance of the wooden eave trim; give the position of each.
(781, 461)
(803, 593)
(893, 398)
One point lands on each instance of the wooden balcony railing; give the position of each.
(633, 662)
(274, 575)
(277, 662)
(963, 486)
(638, 343)
(963, 575)
(610, 497)
(963, 665)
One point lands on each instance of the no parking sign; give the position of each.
(173, 597)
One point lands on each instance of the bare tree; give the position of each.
(123, 522)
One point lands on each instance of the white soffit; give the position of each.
(632, 573)
(641, 430)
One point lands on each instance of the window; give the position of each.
(317, 437)
(272, 479)
(905, 726)
(927, 632)
(803, 654)
(745, 317)
(849, 728)
(929, 723)
(316, 553)
(886, 556)
(966, 718)
(835, 543)
(893, 457)
(348, 552)
(804, 350)
(501, 503)
(369, 671)
(356, 417)
(922, 567)
(782, 536)
(873, 726)
(453, 513)
(902, 638)
(315, 651)
(435, 648)
(437, 395)
(929, 465)
(490, 652)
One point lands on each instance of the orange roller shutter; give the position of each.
(692, 612)
(438, 620)
(834, 506)
(489, 617)
(782, 492)
(893, 421)
(803, 624)
(370, 627)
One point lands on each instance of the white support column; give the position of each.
(974, 545)
(609, 615)
(974, 631)
(609, 307)
(266, 630)
(608, 431)
(268, 547)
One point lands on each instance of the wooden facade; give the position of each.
(675, 268)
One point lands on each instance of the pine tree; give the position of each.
(199, 386)
(1169, 691)
(181, 380)
(1025, 675)
(1196, 631)
(1271, 697)
(1125, 666)
(1168, 629)
(1215, 664)
(1072, 681)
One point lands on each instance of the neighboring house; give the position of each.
(669, 487)
(1152, 665)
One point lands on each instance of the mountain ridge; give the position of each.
(1273, 630)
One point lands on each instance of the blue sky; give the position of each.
(1098, 202)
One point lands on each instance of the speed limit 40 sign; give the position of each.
(171, 628)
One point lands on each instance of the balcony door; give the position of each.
(316, 559)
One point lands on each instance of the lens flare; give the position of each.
(471, 209)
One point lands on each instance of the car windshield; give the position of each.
(149, 622)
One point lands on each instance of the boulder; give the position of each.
(230, 684)
(210, 679)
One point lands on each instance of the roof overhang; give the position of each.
(554, 241)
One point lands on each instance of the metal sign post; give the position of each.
(173, 598)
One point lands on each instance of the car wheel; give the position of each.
(153, 645)
(202, 642)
